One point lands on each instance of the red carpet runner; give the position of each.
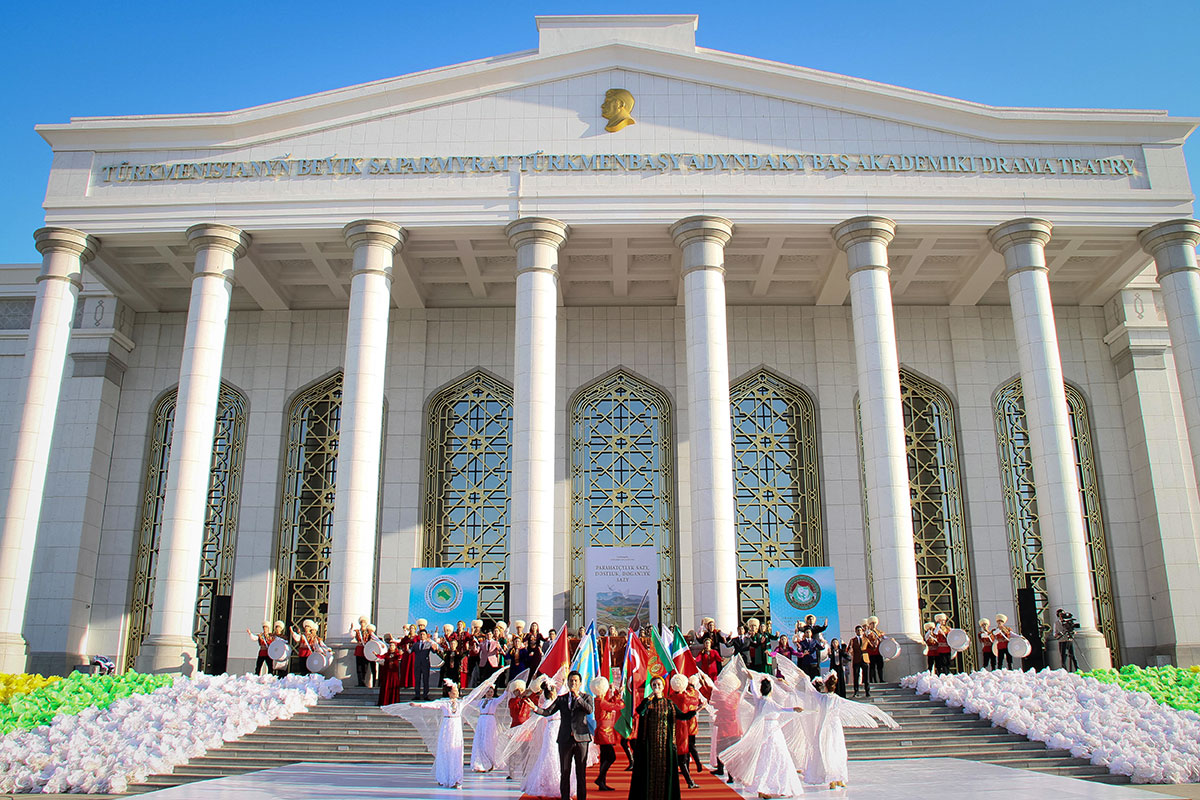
(711, 787)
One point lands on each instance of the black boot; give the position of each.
(687, 776)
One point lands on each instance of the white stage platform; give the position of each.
(896, 779)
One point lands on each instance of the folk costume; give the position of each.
(406, 662)
(655, 774)
(389, 678)
(686, 727)
(760, 760)
(827, 758)
(608, 709)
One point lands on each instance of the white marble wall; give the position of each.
(272, 356)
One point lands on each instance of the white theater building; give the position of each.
(274, 358)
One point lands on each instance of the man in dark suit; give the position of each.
(574, 736)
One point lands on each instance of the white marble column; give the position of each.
(710, 442)
(532, 537)
(885, 463)
(360, 433)
(1173, 245)
(169, 645)
(64, 251)
(1060, 512)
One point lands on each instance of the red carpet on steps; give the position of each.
(711, 787)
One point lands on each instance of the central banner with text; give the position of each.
(615, 582)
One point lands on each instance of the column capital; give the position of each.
(864, 229)
(1181, 234)
(66, 240)
(703, 227)
(1026, 230)
(374, 231)
(213, 235)
(543, 230)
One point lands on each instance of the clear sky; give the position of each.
(66, 59)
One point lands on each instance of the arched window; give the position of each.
(306, 504)
(1021, 511)
(935, 492)
(622, 480)
(215, 589)
(776, 484)
(468, 482)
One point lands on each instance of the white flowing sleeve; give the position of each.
(473, 703)
(861, 715)
(425, 717)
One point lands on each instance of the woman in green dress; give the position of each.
(655, 774)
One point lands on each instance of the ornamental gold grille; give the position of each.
(306, 505)
(1021, 511)
(468, 482)
(935, 493)
(622, 478)
(220, 523)
(776, 484)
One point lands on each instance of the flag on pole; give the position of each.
(681, 655)
(636, 660)
(554, 663)
(605, 657)
(587, 659)
(659, 663)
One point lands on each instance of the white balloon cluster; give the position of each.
(1128, 732)
(146, 734)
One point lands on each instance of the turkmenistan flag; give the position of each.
(681, 654)
(659, 663)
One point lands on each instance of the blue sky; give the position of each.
(82, 59)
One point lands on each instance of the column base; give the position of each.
(344, 666)
(159, 654)
(14, 653)
(910, 661)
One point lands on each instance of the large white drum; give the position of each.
(318, 660)
(1019, 647)
(889, 649)
(374, 650)
(958, 639)
(278, 650)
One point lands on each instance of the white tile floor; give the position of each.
(895, 779)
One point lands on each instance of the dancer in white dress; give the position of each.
(761, 761)
(483, 748)
(440, 724)
(542, 780)
(826, 763)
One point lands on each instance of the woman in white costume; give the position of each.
(542, 779)
(827, 757)
(487, 731)
(761, 761)
(440, 724)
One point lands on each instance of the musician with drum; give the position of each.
(279, 651)
(312, 655)
(987, 643)
(1003, 634)
(264, 640)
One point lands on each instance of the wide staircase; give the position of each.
(350, 729)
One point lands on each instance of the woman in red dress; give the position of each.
(406, 658)
(608, 708)
(389, 675)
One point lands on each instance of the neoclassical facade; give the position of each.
(492, 315)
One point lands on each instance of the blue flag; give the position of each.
(587, 657)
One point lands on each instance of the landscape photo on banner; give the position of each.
(796, 592)
(616, 579)
(442, 596)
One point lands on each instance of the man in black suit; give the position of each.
(574, 736)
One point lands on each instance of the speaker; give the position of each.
(1031, 628)
(218, 634)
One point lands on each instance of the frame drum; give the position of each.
(374, 650)
(889, 649)
(278, 650)
(1019, 646)
(958, 639)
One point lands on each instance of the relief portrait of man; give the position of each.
(617, 108)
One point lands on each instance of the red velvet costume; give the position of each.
(685, 701)
(607, 711)
(389, 678)
(519, 710)
(709, 662)
(407, 677)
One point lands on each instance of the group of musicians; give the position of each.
(470, 654)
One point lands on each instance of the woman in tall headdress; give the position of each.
(761, 760)
(827, 757)
(407, 676)
(655, 773)
(440, 724)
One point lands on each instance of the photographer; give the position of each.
(1064, 633)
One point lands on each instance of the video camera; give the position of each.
(1069, 624)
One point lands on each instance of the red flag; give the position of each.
(682, 656)
(554, 663)
(606, 657)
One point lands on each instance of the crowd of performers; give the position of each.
(775, 729)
